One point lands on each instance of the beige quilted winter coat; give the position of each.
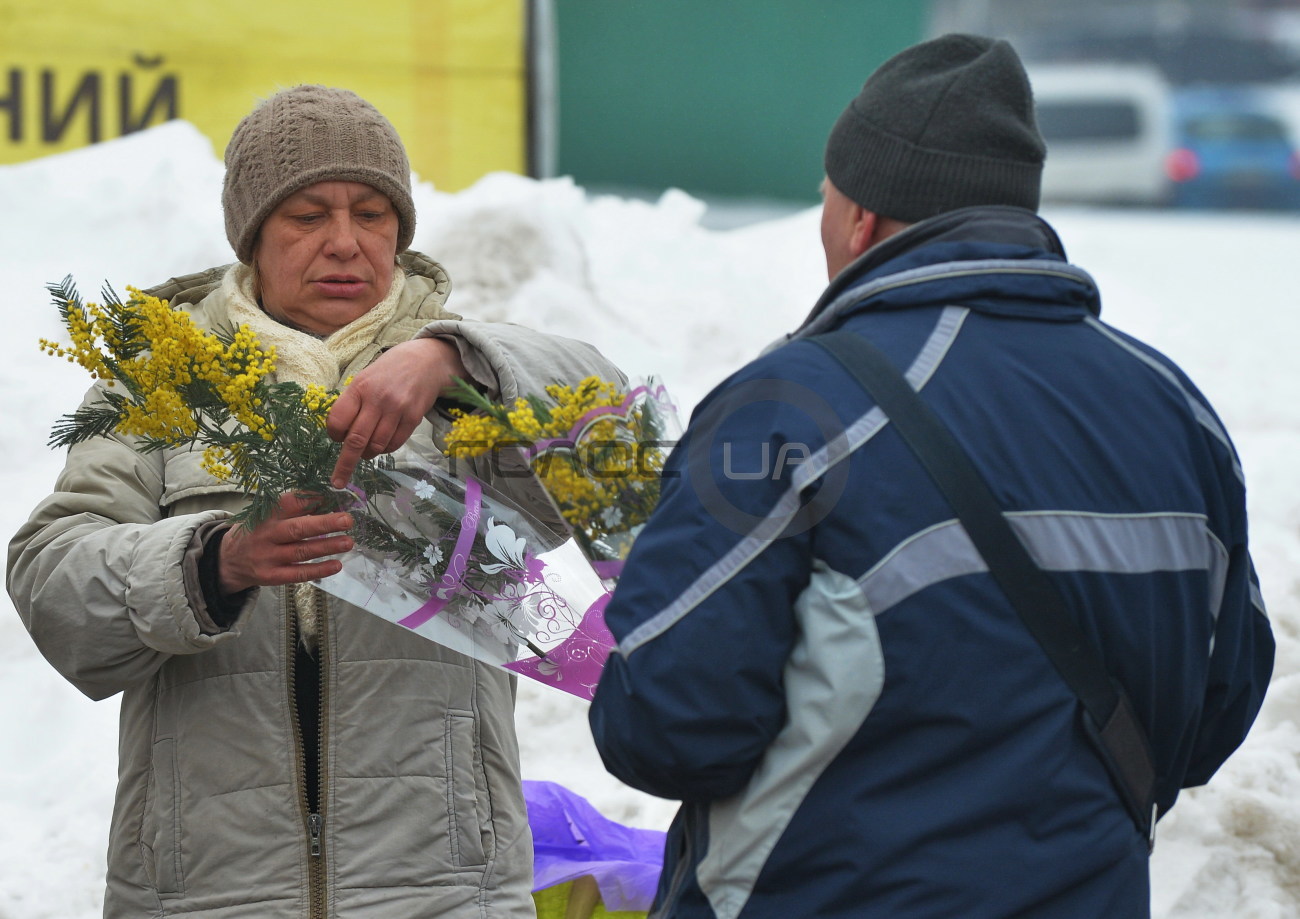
(421, 812)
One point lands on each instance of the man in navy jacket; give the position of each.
(813, 657)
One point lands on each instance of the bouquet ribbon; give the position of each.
(459, 562)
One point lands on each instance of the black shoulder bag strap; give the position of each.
(1108, 717)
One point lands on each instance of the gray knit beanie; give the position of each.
(948, 123)
(305, 135)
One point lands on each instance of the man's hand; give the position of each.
(380, 408)
(282, 549)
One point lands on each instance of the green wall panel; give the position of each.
(718, 97)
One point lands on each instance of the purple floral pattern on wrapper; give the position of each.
(467, 567)
(485, 580)
(575, 664)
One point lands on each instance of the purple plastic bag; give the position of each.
(571, 839)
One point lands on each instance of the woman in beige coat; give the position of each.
(283, 754)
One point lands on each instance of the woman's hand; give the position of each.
(380, 408)
(282, 549)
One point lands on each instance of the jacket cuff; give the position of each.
(482, 376)
(215, 612)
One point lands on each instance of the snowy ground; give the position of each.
(658, 292)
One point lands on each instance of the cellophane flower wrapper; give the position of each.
(491, 582)
(622, 449)
(618, 453)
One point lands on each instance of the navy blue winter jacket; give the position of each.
(814, 659)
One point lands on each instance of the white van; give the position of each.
(1108, 131)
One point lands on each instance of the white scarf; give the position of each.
(301, 357)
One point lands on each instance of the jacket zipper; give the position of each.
(685, 864)
(314, 822)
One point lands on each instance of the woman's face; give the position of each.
(325, 255)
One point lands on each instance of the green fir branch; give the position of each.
(97, 420)
(466, 393)
(540, 409)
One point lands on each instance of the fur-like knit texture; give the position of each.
(303, 358)
(304, 135)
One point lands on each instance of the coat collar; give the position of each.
(1003, 259)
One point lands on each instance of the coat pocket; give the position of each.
(160, 841)
(465, 784)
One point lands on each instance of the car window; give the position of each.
(1087, 120)
(1233, 126)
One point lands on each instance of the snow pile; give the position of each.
(658, 294)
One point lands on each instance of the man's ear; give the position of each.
(863, 236)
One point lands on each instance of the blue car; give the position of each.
(1231, 152)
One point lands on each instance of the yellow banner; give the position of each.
(449, 74)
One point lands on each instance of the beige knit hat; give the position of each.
(305, 135)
